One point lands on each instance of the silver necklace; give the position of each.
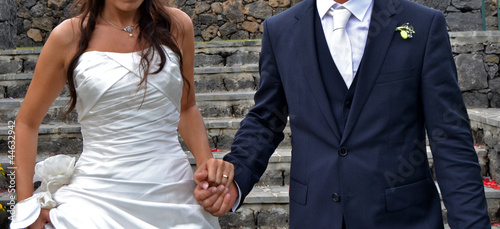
(127, 29)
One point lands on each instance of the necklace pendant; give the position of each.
(128, 29)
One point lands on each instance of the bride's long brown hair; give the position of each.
(155, 25)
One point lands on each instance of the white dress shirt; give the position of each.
(356, 27)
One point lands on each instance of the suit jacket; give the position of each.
(375, 174)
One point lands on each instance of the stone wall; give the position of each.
(485, 125)
(477, 59)
(231, 19)
(7, 24)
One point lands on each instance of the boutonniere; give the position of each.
(406, 30)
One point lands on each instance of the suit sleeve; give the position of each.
(455, 160)
(262, 129)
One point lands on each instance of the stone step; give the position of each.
(219, 54)
(277, 198)
(207, 79)
(267, 204)
(66, 138)
(211, 105)
(268, 207)
(219, 66)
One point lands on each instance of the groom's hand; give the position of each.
(215, 189)
(214, 172)
(216, 200)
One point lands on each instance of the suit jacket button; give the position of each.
(343, 151)
(336, 197)
(348, 104)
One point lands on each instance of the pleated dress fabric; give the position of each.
(132, 172)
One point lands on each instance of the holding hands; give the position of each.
(215, 189)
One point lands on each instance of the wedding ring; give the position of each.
(224, 176)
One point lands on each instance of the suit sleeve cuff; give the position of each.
(238, 200)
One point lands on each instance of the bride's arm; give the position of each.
(216, 200)
(48, 81)
(191, 126)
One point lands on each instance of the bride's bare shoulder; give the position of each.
(66, 33)
(182, 24)
(63, 41)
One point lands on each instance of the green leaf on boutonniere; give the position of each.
(406, 30)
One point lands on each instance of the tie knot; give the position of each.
(340, 17)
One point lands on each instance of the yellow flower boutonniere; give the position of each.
(406, 30)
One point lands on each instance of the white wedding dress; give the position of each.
(132, 172)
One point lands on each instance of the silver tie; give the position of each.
(341, 45)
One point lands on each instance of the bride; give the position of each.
(129, 69)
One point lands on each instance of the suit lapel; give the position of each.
(305, 51)
(381, 32)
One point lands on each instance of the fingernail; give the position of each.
(221, 188)
(205, 186)
(214, 190)
(226, 190)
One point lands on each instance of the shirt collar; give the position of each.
(358, 8)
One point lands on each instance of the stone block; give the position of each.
(495, 85)
(216, 8)
(273, 218)
(228, 28)
(240, 58)
(55, 4)
(201, 7)
(492, 71)
(243, 81)
(464, 21)
(207, 19)
(471, 72)
(201, 60)
(17, 90)
(7, 36)
(250, 26)
(60, 144)
(208, 83)
(43, 23)
(27, 3)
(482, 156)
(294, 2)
(224, 108)
(495, 100)
(240, 35)
(232, 11)
(38, 10)
(35, 35)
(279, 3)
(259, 9)
(491, 58)
(475, 100)
(438, 5)
(493, 49)
(210, 32)
(243, 218)
(466, 5)
(29, 63)
(5, 10)
(468, 48)
(9, 65)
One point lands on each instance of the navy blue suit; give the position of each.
(360, 157)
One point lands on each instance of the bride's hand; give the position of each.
(41, 221)
(214, 172)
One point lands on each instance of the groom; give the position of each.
(359, 104)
